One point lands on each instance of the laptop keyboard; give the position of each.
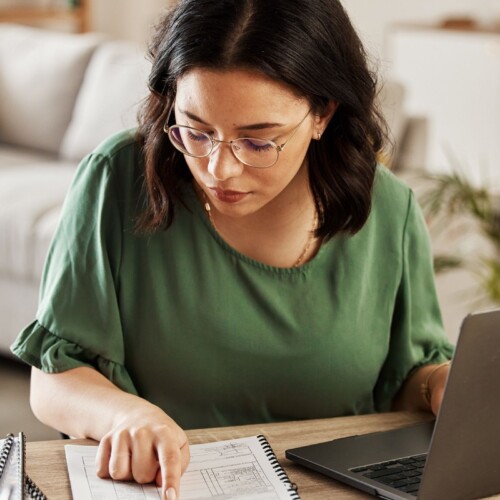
(404, 474)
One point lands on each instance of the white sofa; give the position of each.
(60, 95)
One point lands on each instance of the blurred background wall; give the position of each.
(131, 19)
(373, 17)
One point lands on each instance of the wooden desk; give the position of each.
(46, 463)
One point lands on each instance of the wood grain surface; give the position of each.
(46, 463)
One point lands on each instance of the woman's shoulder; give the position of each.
(389, 192)
(116, 160)
(386, 180)
(122, 144)
(113, 169)
(393, 203)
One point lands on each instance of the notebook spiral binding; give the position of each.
(4, 453)
(277, 467)
(31, 490)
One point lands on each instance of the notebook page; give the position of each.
(234, 469)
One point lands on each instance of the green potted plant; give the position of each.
(451, 202)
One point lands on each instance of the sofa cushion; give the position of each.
(32, 196)
(40, 75)
(11, 156)
(113, 86)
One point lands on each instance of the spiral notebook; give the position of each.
(235, 469)
(14, 482)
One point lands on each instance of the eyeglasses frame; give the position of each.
(278, 148)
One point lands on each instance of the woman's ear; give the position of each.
(321, 120)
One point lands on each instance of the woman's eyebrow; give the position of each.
(253, 126)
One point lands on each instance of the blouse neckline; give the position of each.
(202, 214)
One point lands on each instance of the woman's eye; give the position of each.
(257, 145)
(193, 136)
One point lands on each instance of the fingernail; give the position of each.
(171, 494)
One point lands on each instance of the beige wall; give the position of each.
(132, 19)
(127, 19)
(373, 17)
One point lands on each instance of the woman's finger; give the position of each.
(143, 463)
(119, 461)
(102, 457)
(169, 459)
(185, 457)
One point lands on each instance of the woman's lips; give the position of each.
(228, 196)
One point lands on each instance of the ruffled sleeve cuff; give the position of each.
(50, 353)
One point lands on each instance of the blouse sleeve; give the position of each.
(78, 318)
(417, 333)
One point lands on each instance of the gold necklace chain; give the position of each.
(309, 241)
(308, 244)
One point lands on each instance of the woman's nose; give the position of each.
(222, 163)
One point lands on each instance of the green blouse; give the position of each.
(215, 338)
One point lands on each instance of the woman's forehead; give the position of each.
(237, 91)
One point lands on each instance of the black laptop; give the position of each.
(457, 457)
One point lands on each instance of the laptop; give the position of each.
(457, 456)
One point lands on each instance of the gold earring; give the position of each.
(318, 136)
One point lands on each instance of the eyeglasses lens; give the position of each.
(190, 141)
(257, 153)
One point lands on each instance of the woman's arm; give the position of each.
(411, 396)
(137, 439)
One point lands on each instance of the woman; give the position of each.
(242, 258)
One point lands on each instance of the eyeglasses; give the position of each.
(256, 153)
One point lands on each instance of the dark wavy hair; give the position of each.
(309, 45)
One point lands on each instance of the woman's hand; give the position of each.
(436, 382)
(424, 389)
(145, 445)
(137, 439)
